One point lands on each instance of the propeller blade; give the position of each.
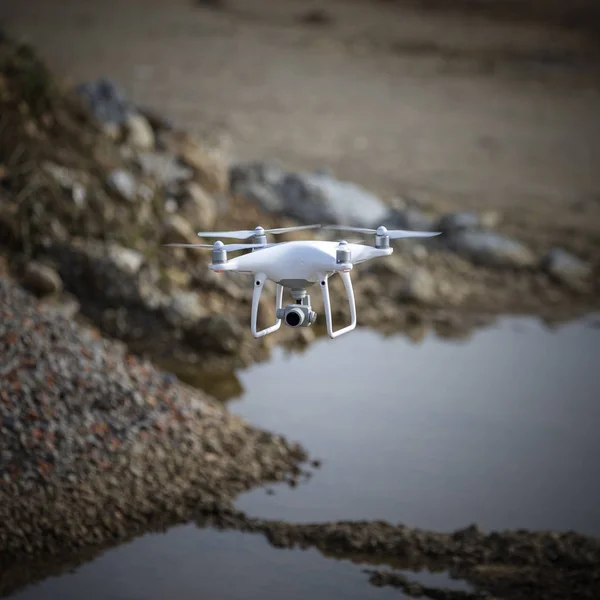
(396, 234)
(242, 234)
(349, 228)
(393, 234)
(228, 247)
(296, 228)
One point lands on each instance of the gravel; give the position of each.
(93, 439)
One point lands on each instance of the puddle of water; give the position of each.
(188, 563)
(500, 430)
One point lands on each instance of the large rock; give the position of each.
(566, 268)
(307, 197)
(491, 249)
(321, 198)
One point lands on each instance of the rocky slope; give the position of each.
(95, 443)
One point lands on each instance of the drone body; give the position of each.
(298, 265)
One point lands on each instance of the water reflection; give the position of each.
(188, 563)
(501, 430)
(222, 385)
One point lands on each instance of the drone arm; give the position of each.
(323, 280)
(259, 282)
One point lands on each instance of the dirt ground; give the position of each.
(450, 109)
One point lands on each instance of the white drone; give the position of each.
(297, 265)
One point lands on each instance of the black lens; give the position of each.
(293, 318)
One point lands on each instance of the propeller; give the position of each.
(244, 234)
(393, 234)
(217, 246)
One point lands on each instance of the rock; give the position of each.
(106, 101)
(139, 133)
(420, 288)
(208, 165)
(66, 305)
(185, 309)
(491, 249)
(112, 131)
(566, 268)
(128, 260)
(41, 279)
(307, 197)
(124, 183)
(176, 230)
(171, 205)
(218, 333)
(320, 198)
(199, 208)
(164, 168)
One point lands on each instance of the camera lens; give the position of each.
(294, 317)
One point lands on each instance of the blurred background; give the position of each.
(468, 394)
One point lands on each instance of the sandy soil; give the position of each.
(450, 109)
